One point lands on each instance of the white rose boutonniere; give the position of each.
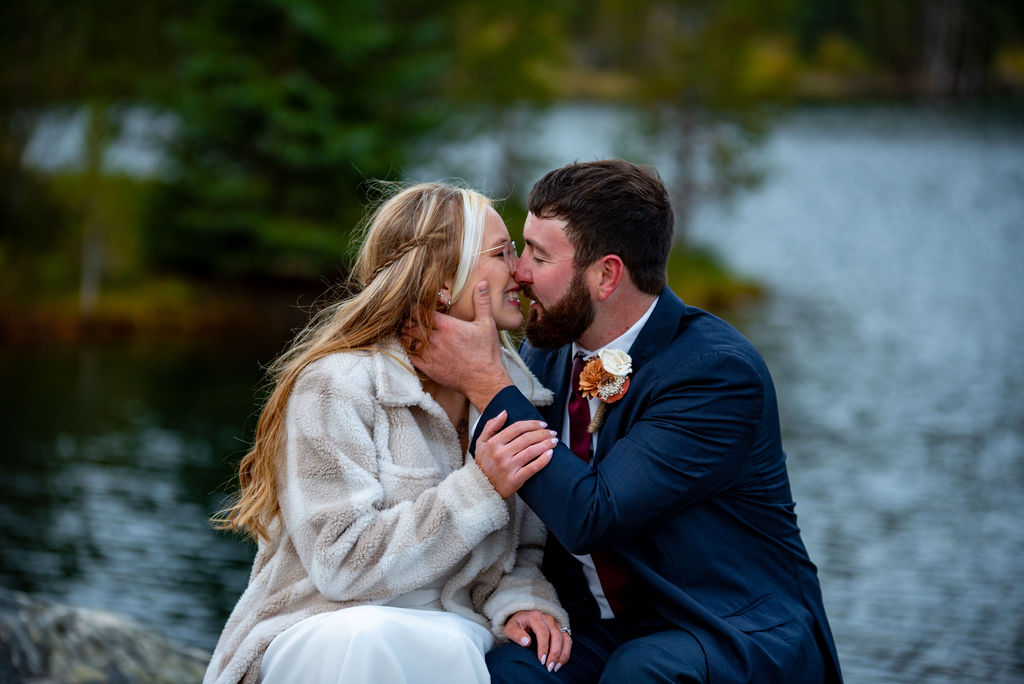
(605, 376)
(616, 362)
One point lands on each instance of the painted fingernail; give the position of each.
(543, 424)
(558, 666)
(551, 666)
(543, 658)
(525, 641)
(554, 440)
(553, 433)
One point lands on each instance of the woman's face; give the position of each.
(491, 266)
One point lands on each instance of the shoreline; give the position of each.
(195, 310)
(183, 310)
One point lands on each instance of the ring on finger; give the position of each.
(566, 630)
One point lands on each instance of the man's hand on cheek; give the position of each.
(463, 355)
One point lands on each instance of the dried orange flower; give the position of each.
(592, 377)
(597, 381)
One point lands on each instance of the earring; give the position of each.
(444, 302)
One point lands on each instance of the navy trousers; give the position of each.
(607, 651)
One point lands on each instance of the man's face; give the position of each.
(562, 308)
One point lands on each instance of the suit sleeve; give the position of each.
(690, 438)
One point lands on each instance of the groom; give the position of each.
(674, 544)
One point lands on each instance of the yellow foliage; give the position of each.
(839, 54)
(1010, 64)
(771, 65)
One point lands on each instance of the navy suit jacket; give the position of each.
(688, 485)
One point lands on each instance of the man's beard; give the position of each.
(566, 320)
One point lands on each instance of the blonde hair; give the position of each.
(414, 242)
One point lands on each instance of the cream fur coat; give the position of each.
(377, 499)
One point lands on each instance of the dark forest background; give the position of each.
(271, 116)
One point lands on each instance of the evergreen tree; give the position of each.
(286, 108)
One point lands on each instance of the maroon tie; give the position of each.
(579, 414)
(614, 579)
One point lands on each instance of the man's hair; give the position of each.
(611, 207)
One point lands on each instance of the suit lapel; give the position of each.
(558, 377)
(661, 328)
(552, 367)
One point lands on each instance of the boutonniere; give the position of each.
(605, 376)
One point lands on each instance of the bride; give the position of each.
(385, 554)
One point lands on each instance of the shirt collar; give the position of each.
(624, 341)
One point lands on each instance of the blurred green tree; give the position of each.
(95, 58)
(939, 49)
(511, 62)
(285, 108)
(701, 74)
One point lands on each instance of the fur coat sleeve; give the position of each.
(387, 533)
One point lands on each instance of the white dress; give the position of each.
(411, 640)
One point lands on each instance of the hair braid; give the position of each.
(406, 247)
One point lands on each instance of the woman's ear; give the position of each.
(444, 297)
(444, 301)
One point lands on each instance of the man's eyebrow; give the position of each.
(536, 248)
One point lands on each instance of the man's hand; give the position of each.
(464, 355)
(512, 456)
(553, 645)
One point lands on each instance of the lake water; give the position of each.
(891, 244)
(893, 247)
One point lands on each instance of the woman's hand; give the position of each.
(553, 644)
(511, 456)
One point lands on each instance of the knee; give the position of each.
(513, 664)
(383, 630)
(352, 621)
(652, 662)
(364, 627)
(628, 662)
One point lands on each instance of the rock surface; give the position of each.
(52, 643)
